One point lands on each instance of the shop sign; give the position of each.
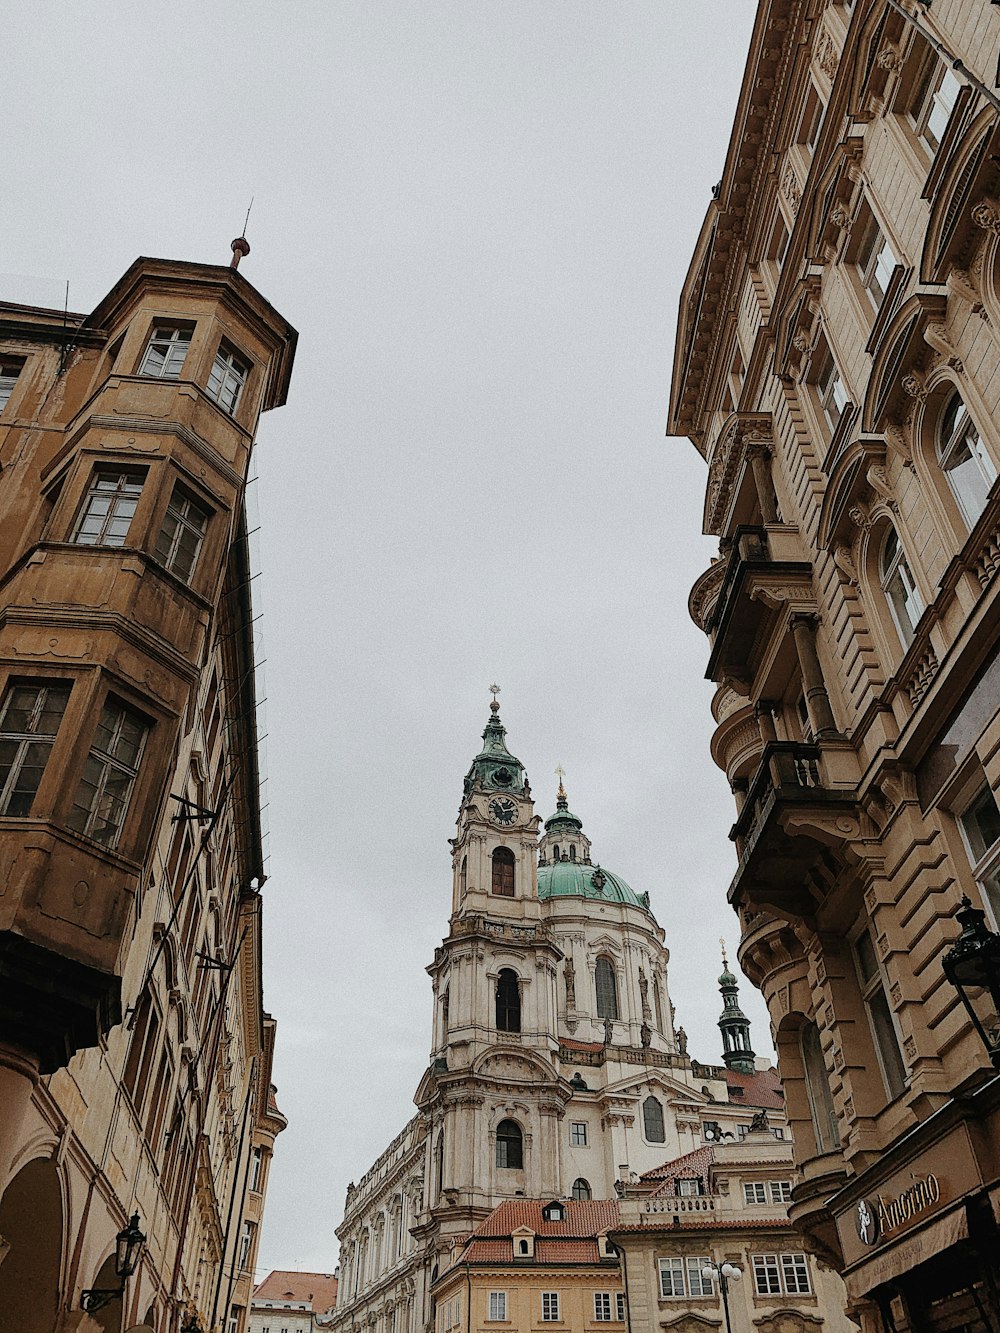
(877, 1217)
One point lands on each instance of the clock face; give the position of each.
(503, 810)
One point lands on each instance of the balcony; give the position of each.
(762, 575)
(800, 808)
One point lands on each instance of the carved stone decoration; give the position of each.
(936, 336)
(913, 386)
(791, 189)
(963, 282)
(826, 55)
(844, 561)
(895, 438)
(878, 479)
(859, 516)
(801, 342)
(888, 58)
(569, 976)
(986, 214)
(840, 217)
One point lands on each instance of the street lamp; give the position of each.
(128, 1247)
(972, 965)
(723, 1274)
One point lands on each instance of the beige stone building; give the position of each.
(557, 1071)
(837, 366)
(135, 1055)
(292, 1302)
(724, 1204)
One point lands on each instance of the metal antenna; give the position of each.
(247, 218)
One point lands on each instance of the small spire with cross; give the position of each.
(561, 793)
(725, 962)
(494, 706)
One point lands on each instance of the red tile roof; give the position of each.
(319, 1289)
(581, 1217)
(692, 1163)
(572, 1044)
(762, 1088)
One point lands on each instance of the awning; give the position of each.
(911, 1250)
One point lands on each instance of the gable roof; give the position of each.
(761, 1089)
(319, 1289)
(695, 1163)
(574, 1240)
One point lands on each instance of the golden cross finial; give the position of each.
(494, 690)
(723, 943)
(494, 706)
(560, 774)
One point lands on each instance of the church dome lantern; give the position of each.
(494, 767)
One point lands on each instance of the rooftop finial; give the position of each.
(241, 246)
(494, 706)
(725, 962)
(561, 802)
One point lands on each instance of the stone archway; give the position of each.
(108, 1317)
(31, 1222)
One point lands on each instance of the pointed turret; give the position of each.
(494, 767)
(564, 838)
(734, 1023)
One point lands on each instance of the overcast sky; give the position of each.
(478, 214)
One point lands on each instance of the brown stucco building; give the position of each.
(837, 367)
(135, 1055)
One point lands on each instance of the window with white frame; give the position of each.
(874, 259)
(754, 1191)
(10, 369)
(550, 1307)
(980, 825)
(964, 459)
(620, 1306)
(227, 377)
(165, 352)
(880, 1018)
(109, 774)
(937, 92)
(683, 1277)
(602, 1307)
(246, 1240)
(29, 720)
(498, 1306)
(578, 1133)
(781, 1274)
(821, 1108)
(234, 1319)
(687, 1186)
(182, 533)
(256, 1163)
(781, 1191)
(899, 586)
(830, 390)
(109, 506)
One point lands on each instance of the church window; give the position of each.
(656, 1004)
(439, 1162)
(578, 1133)
(572, 851)
(652, 1121)
(463, 877)
(581, 1189)
(607, 990)
(510, 1145)
(508, 1001)
(503, 872)
(555, 852)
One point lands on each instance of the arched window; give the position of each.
(508, 1001)
(581, 1189)
(652, 1121)
(142, 1050)
(964, 460)
(510, 1145)
(463, 877)
(503, 872)
(439, 1163)
(555, 852)
(607, 990)
(572, 851)
(899, 587)
(824, 1117)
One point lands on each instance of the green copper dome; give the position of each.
(575, 879)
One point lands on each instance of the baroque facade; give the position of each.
(135, 1054)
(837, 366)
(556, 1070)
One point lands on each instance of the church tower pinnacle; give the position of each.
(734, 1023)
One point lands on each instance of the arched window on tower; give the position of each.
(503, 872)
(607, 989)
(572, 851)
(964, 460)
(439, 1163)
(652, 1121)
(581, 1189)
(510, 1145)
(463, 877)
(555, 852)
(821, 1108)
(508, 1001)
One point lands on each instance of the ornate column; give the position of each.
(760, 463)
(817, 700)
(764, 712)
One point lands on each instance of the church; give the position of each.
(556, 1071)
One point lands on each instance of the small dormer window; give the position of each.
(553, 1212)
